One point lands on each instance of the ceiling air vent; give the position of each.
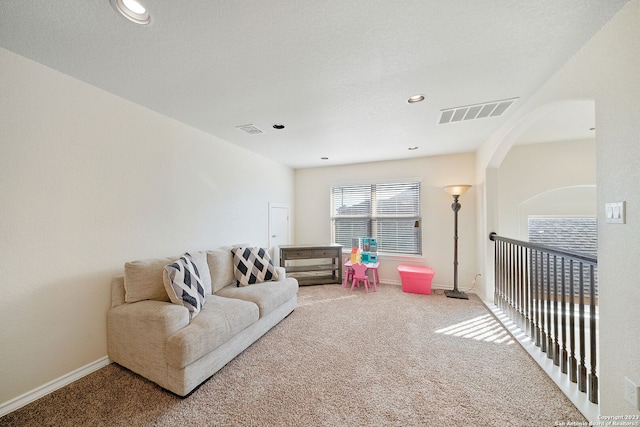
(250, 129)
(477, 111)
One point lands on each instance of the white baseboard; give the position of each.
(43, 390)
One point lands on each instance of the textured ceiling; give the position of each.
(336, 73)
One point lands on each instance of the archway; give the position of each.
(570, 119)
(566, 119)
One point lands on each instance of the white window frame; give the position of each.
(411, 243)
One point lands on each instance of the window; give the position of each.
(389, 212)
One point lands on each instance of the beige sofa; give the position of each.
(156, 339)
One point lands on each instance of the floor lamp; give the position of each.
(456, 191)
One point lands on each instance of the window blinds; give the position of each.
(387, 211)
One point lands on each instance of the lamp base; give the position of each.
(456, 294)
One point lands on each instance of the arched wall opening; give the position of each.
(567, 202)
(553, 147)
(564, 120)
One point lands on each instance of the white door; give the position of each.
(278, 229)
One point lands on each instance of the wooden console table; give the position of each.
(313, 273)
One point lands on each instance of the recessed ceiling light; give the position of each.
(132, 10)
(415, 147)
(415, 98)
(278, 126)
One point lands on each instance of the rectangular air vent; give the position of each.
(250, 129)
(476, 111)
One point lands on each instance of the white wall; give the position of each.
(312, 207)
(606, 70)
(87, 182)
(555, 178)
(618, 120)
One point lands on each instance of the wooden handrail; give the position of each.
(547, 249)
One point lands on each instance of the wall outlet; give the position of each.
(631, 393)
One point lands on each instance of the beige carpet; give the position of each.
(341, 358)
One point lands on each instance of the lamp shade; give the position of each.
(456, 190)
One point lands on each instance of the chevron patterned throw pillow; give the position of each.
(252, 265)
(183, 284)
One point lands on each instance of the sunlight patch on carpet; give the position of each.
(481, 328)
(309, 299)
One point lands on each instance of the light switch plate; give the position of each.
(615, 212)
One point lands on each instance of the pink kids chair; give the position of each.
(348, 274)
(360, 275)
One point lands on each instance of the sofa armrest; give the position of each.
(151, 314)
(137, 335)
(117, 291)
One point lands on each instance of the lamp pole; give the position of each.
(456, 191)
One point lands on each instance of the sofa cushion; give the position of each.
(220, 262)
(183, 284)
(143, 279)
(252, 265)
(201, 261)
(267, 295)
(220, 320)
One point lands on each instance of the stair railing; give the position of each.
(552, 296)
